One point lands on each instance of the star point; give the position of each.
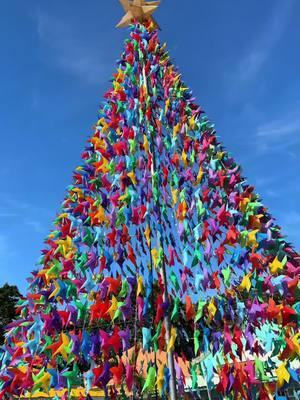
(137, 10)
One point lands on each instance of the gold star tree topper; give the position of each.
(137, 10)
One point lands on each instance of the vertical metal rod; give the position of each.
(135, 345)
(167, 320)
(208, 392)
(152, 299)
(156, 389)
(171, 363)
(206, 384)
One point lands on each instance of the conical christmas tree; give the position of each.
(162, 252)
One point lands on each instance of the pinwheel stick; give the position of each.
(170, 354)
(208, 392)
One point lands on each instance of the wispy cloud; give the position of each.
(3, 245)
(36, 225)
(7, 259)
(290, 222)
(27, 215)
(264, 181)
(240, 80)
(278, 134)
(259, 52)
(69, 51)
(272, 193)
(7, 214)
(278, 129)
(3, 252)
(5, 249)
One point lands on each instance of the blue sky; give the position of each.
(241, 58)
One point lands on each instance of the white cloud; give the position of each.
(26, 214)
(36, 225)
(293, 217)
(278, 129)
(290, 223)
(7, 214)
(7, 254)
(272, 193)
(259, 52)
(265, 180)
(9, 202)
(5, 249)
(3, 245)
(69, 50)
(279, 134)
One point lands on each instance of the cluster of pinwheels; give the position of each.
(157, 191)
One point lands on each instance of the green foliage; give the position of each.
(9, 296)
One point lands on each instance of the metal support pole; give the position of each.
(171, 363)
(167, 320)
(208, 392)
